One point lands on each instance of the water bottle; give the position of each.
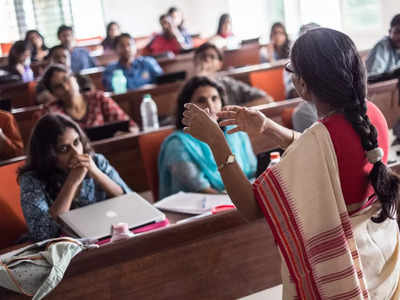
(118, 82)
(275, 157)
(148, 111)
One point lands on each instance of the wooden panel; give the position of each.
(244, 56)
(20, 94)
(216, 257)
(26, 118)
(96, 75)
(124, 155)
(164, 95)
(385, 95)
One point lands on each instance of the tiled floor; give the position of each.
(274, 293)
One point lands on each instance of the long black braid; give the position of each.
(328, 62)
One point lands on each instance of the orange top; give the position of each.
(11, 144)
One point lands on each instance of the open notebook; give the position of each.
(192, 203)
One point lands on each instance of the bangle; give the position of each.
(291, 141)
(229, 160)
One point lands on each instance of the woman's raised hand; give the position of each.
(199, 124)
(251, 121)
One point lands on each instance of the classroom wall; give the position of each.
(202, 17)
(138, 23)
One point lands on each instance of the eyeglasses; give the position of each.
(289, 68)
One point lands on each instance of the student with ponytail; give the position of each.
(331, 202)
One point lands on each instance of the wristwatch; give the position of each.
(229, 160)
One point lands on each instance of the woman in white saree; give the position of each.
(331, 202)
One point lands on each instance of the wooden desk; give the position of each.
(164, 95)
(244, 56)
(21, 94)
(216, 257)
(181, 62)
(95, 75)
(26, 118)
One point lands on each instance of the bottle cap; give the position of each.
(147, 96)
(274, 155)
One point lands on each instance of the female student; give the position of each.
(19, 61)
(224, 39)
(331, 202)
(36, 43)
(87, 109)
(185, 163)
(279, 45)
(113, 30)
(62, 173)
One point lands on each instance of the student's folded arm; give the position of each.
(190, 178)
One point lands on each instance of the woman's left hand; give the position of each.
(199, 124)
(86, 161)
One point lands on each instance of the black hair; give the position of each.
(395, 21)
(204, 47)
(222, 19)
(33, 49)
(109, 27)
(185, 95)
(42, 157)
(162, 17)
(63, 28)
(328, 62)
(54, 49)
(170, 11)
(48, 74)
(283, 51)
(17, 49)
(120, 37)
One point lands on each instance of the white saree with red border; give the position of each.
(326, 252)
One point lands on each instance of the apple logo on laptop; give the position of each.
(111, 214)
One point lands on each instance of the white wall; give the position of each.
(140, 17)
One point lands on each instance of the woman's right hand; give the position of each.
(251, 121)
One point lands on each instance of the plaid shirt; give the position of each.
(100, 110)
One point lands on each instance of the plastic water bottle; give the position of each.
(275, 157)
(118, 82)
(148, 111)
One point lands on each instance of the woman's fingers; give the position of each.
(234, 108)
(227, 115)
(227, 122)
(233, 130)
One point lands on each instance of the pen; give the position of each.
(209, 213)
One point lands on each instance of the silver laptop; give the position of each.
(95, 220)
